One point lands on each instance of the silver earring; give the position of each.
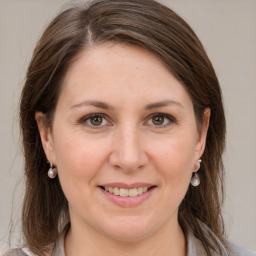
(52, 172)
(195, 180)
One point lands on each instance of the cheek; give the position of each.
(79, 160)
(175, 160)
(78, 157)
(175, 152)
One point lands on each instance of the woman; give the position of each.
(123, 131)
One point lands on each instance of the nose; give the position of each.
(128, 152)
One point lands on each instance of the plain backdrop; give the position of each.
(227, 29)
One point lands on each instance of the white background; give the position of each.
(227, 29)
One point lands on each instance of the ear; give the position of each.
(200, 146)
(46, 137)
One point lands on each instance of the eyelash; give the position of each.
(170, 118)
(87, 118)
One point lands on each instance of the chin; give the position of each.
(130, 230)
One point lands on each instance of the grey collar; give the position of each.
(194, 245)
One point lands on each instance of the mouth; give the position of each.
(127, 195)
(126, 192)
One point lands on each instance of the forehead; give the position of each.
(116, 70)
(104, 57)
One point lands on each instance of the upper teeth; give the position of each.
(126, 192)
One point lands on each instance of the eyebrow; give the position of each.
(95, 103)
(163, 104)
(103, 105)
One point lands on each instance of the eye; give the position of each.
(95, 120)
(160, 119)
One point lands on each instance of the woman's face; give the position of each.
(125, 142)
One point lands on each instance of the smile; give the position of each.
(127, 195)
(124, 192)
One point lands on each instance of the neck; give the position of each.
(170, 241)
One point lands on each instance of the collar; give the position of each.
(194, 245)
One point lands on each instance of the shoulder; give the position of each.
(15, 252)
(227, 248)
(236, 250)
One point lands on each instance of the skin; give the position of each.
(129, 144)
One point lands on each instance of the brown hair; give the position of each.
(153, 26)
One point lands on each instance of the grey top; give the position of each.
(194, 248)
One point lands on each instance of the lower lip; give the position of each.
(128, 201)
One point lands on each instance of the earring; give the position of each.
(52, 172)
(195, 180)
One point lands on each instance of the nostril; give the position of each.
(128, 161)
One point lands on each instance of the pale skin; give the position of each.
(122, 117)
